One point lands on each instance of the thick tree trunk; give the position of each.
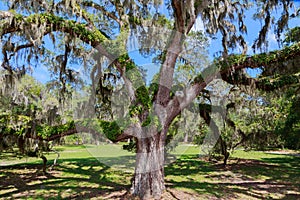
(148, 180)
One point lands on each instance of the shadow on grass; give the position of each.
(72, 178)
(279, 169)
(124, 163)
(86, 178)
(241, 179)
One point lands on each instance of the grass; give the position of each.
(105, 171)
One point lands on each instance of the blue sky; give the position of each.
(41, 73)
(253, 28)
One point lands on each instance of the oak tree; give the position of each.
(95, 34)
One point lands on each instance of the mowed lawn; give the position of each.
(105, 172)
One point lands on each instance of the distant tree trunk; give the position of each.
(224, 150)
(44, 163)
(148, 180)
(21, 144)
(186, 137)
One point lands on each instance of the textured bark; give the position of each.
(148, 180)
(44, 163)
(224, 151)
(21, 144)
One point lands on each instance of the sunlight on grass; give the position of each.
(95, 171)
(256, 155)
(186, 149)
(108, 150)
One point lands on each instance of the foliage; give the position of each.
(292, 36)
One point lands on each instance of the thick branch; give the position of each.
(77, 129)
(229, 67)
(134, 130)
(266, 84)
(184, 14)
(167, 69)
(23, 46)
(262, 60)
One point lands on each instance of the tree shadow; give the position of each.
(86, 178)
(285, 169)
(125, 163)
(241, 179)
(73, 178)
(188, 165)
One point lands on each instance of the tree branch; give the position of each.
(89, 35)
(77, 129)
(231, 67)
(266, 83)
(5, 14)
(23, 46)
(185, 16)
(184, 20)
(103, 10)
(134, 130)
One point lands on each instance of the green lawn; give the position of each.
(104, 172)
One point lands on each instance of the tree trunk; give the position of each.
(148, 180)
(224, 150)
(21, 144)
(44, 163)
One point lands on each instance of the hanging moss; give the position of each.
(271, 83)
(143, 101)
(259, 60)
(61, 24)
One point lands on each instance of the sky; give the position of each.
(41, 73)
(253, 28)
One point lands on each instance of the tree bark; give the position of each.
(44, 163)
(21, 144)
(148, 180)
(224, 151)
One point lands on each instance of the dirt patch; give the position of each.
(169, 194)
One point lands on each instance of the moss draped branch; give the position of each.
(105, 129)
(231, 67)
(90, 35)
(231, 71)
(263, 60)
